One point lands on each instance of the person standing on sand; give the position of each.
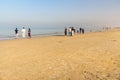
(70, 31)
(16, 33)
(77, 30)
(23, 32)
(80, 30)
(29, 33)
(65, 31)
(83, 31)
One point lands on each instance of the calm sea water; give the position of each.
(9, 33)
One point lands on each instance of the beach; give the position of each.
(92, 56)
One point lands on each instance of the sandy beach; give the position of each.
(92, 56)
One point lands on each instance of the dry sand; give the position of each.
(93, 56)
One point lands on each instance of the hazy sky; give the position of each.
(59, 12)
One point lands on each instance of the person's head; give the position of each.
(23, 27)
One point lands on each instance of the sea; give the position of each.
(8, 32)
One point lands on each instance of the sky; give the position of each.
(58, 12)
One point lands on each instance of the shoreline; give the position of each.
(46, 35)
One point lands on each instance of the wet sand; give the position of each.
(92, 56)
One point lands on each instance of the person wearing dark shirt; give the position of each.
(80, 30)
(29, 33)
(16, 33)
(83, 31)
(65, 31)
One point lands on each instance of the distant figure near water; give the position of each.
(65, 31)
(83, 31)
(16, 33)
(73, 31)
(70, 31)
(23, 32)
(80, 30)
(29, 33)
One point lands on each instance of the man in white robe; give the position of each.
(23, 32)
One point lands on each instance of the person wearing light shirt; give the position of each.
(23, 32)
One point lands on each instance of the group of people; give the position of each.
(71, 30)
(81, 31)
(23, 33)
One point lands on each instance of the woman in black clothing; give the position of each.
(29, 33)
(16, 33)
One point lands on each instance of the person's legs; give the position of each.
(23, 35)
(17, 35)
(29, 35)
